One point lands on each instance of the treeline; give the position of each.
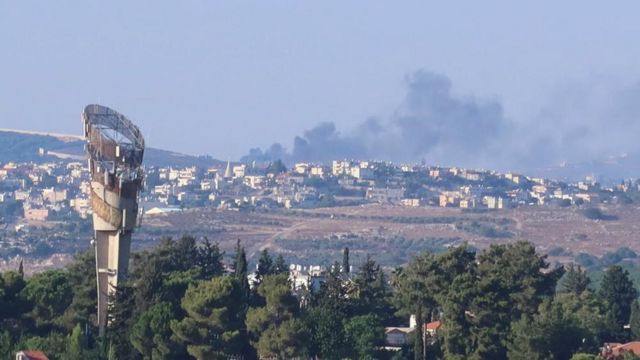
(181, 301)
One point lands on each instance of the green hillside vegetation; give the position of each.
(504, 302)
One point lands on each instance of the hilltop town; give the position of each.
(49, 190)
(45, 205)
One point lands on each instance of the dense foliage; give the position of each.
(181, 302)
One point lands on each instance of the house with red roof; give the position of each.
(617, 350)
(432, 328)
(31, 355)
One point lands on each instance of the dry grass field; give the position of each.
(381, 230)
(391, 234)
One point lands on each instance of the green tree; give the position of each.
(423, 288)
(120, 317)
(148, 276)
(212, 327)
(327, 332)
(241, 271)
(415, 294)
(634, 320)
(372, 294)
(512, 282)
(550, 334)
(587, 308)
(6, 345)
(165, 273)
(280, 266)
(265, 265)
(11, 284)
(54, 344)
(575, 280)
(50, 294)
(240, 267)
(454, 282)
(151, 335)
(346, 268)
(457, 334)
(21, 268)
(365, 334)
(276, 330)
(184, 254)
(81, 274)
(618, 292)
(78, 344)
(210, 260)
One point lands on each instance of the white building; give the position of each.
(385, 195)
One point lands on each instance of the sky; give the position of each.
(219, 78)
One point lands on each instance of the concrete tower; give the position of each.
(115, 148)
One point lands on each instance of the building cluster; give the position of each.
(345, 182)
(48, 191)
(41, 192)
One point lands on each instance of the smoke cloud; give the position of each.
(583, 122)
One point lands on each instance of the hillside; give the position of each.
(23, 146)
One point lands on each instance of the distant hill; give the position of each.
(609, 170)
(23, 146)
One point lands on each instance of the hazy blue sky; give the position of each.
(217, 78)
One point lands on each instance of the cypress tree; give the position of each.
(240, 269)
(21, 269)
(346, 268)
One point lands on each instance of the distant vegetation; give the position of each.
(483, 229)
(558, 251)
(389, 251)
(597, 214)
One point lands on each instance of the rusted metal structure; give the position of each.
(115, 149)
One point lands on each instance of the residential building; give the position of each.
(36, 214)
(254, 181)
(494, 202)
(301, 168)
(467, 203)
(317, 171)
(362, 173)
(385, 195)
(432, 328)
(396, 337)
(410, 202)
(449, 199)
(340, 167)
(239, 171)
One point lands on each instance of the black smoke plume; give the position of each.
(584, 122)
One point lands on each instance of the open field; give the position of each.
(393, 233)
